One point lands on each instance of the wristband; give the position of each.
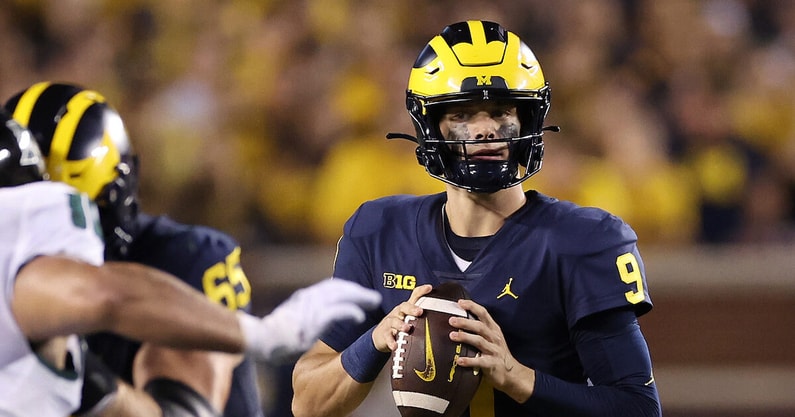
(361, 360)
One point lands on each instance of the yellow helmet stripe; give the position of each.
(93, 172)
(25, 106)
(480, 51)
(64, 133)
(477, 32)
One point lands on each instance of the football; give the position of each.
(426, 382)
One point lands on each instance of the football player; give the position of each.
(55, 286)
(85, 144)
(556, 288)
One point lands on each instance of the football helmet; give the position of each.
(470, 62)
(85, 144)
(21, 161)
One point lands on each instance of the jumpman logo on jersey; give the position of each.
(507, 290)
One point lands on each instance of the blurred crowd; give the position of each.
(267, 118)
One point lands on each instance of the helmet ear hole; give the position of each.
(412, 104)
(536, 156)
(431, 160)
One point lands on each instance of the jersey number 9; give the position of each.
(630, 273)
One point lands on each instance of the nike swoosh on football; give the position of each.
(429, 373)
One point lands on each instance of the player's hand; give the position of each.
(298, 322)
(498, 365)
(385, 333)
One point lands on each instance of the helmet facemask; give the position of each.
(118, 208)
(451, 160)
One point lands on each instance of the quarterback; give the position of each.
(555, 288)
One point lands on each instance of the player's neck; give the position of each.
(474, 214)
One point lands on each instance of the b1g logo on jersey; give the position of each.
(399, 282)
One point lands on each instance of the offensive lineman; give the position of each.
(54, 287)
(85, 145)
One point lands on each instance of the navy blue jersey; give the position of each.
(551, 265)
(208, 261)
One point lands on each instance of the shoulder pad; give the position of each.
(373, 215)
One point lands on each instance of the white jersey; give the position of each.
(40, 218)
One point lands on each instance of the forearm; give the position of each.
(616, 360)
(559, 397)
(56, 296)
(160, 391)
(337, 395)
(208, 373)
(160, 398)
(154, 307)
(104, 394)
(129, 402)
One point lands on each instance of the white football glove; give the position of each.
(295, 324)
